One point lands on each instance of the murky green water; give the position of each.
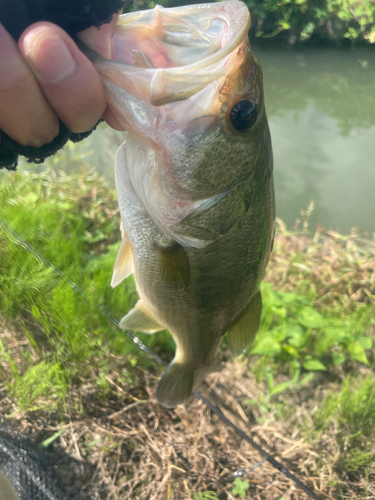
(321, 108)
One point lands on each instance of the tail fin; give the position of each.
(179, 380)
(176, 385)
(6, 488)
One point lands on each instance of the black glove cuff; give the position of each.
(73, 16)
(10, 149)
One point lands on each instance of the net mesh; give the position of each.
(26, 469)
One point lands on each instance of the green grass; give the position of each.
(299, 338)
(351, 413)
(317, 328)
(73, 221)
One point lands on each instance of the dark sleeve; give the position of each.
(71, 15)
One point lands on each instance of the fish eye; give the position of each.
(243, 115)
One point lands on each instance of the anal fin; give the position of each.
(243, 329)
(124, 261)
(140, 320)
(174, 265)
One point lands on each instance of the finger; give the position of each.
(25, 115)
(100, 40)
(67, 78)
(111, 120)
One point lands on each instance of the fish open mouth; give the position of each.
(174, 76)
(166, 55)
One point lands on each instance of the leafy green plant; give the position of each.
(205, 495)
(293, 332)
(240, 487)
(301, 19)
(73, 221)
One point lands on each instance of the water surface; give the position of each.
(321, 108)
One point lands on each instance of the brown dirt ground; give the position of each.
(128, 447)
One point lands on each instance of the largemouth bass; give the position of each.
(194, 181)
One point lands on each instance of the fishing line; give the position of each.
(255, 445)
(17, 238)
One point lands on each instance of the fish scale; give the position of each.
(194, 183)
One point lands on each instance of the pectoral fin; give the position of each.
(243, 330)
(174, 266)
(140, 320)
(124, 261)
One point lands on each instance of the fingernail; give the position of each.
(49, 57)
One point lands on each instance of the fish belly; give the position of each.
(224, 276)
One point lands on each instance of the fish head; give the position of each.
(186, 85)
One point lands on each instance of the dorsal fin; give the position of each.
(244, 328)
(124, 260)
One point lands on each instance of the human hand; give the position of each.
(47, 77)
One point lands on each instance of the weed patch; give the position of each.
(75, 226)
(350, 414)
(308, 374)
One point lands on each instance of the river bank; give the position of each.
(297, 22)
